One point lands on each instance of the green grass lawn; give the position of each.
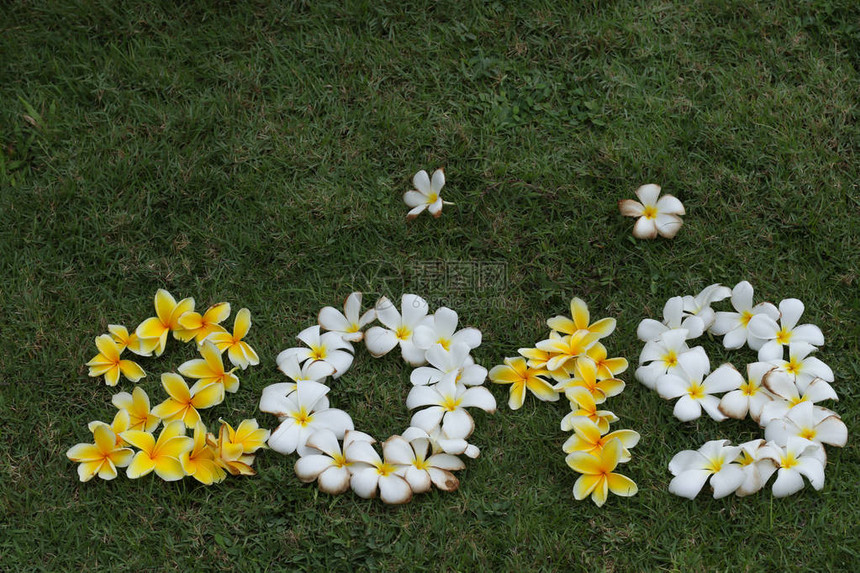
(257, 153)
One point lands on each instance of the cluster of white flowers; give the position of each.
(781, 395)
(445, 382)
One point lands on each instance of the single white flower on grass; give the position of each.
(370, 473)
(673, 319)
(800, 365)
(303, 412)
(444, 362)
(751, 397)
(400, 328)
(426, 195)
(349, 323)
(329, 467)
(700, 305)
(656, 216)
(788, 395)
(662, 356)
(447, 403)
(805, 421)
(694, 390)
(441, 328)
(330, 348)
(798, 458)
(418, 465)
(316, 370)
(787, 331)
(714, 460)
(733, 326)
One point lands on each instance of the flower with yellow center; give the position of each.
(199, 462)
(673, 318)
(777, 335)
(567, 347)
(441, 328)
(585, 376)
(715, 460)
(799, 457)
(695, 390)
(210, 368)
(808, 422)
(136, 405)
(427, 194)
(234, 449)
(582, 404)
(399, 328)
(140, 346)
(326, 462)
(447, 402)
(598, 476)
(750, 397)
(102, 457)
(444, 362)
(161, 456)
(656, 216)
(661, 356)
(108, 363)
(167, 314)
(516, 372)
(734, 326)
(329, 348)
(371, 474)
(414, 461)
(801, 366)
(606, 367)
(240, 352)
(787, 395)
(350, 322)
(199, 326)
(588, 438)
(580, 320)
(756, 463)
(182, 403)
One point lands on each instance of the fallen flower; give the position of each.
(656, 216)
(427, 194)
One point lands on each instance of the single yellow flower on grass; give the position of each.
(200, 462)
(598, 478)
(210, 368)
(184, 403)
(101, 458)
(516, 372)
(240, 352)
(136, 405)
(201, 326)
(161, 456)
(579, 311)
(167, 314)
(138, 345)
(109, 364)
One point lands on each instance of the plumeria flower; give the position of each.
(370, 473)
(108, 363)
(696, 391)
(167, 314)
(733, 326)
(102, 457)
(234, 449)
(447, 403)
(588, 438)
(329, 348)
(182, 403)
(582, 404)
(606, 367)
(598, 477)
(751, 397)
(441, 442)
(240, 352)
(161, 456)
(400, 328)
(350, 323)
(274, 399)
(210, 368)
(316, 370)
(673, 319)
(302, 412)
(140, 346)
(202, 325)
(580, 320)
(444, 362)
(441, 328)
(800, 365)
(756, 463)
(700, 305)
(121, 422)
(715, 460)
(426, 194)
(327, 464)
(782, 386)
(656, 216)
(662, 356)
(199, 462)
(787, 331)
(136, 405)
(567, 347)
(585, 376)
(516, 372)
(415, 461)
(798, 458)
(805, 421)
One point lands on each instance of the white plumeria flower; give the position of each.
(441, 328)
(441, 442)
(662, 355)
(274, 399)
(751, 397)
(802, 367)
(733, 326)
(417, 464)
(316, 370)
(329, 467)
(400, 328)
(694, 390)
(757, 464)
(700, 305)
(427, 194)
(370, 473)
(788, 395)
(349, 323)
(329, 348)
(787, 331)
(303, 412)
(714, 460)
(656, 216)
(798, 458)
(444, 362)
(447, 403)
(673, 318)
(806, 421)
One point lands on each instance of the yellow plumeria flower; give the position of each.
(587, 407)
(183, 402)
(606, 367)
(167, 314)
(567, 347)
(579, 311)
(109, 364)
(199, 462)
(249, 435)
(210, 368)
(136, 406)
(201, 326)
(585, 376)
(598, 478)
(138, 345)
(120, 423)
(588, 438)
(161, 456)
(229, 455)
(101, 458)
(240, 352)
(516, 372)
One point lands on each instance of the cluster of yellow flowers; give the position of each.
(575, 360)
(172, 455)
